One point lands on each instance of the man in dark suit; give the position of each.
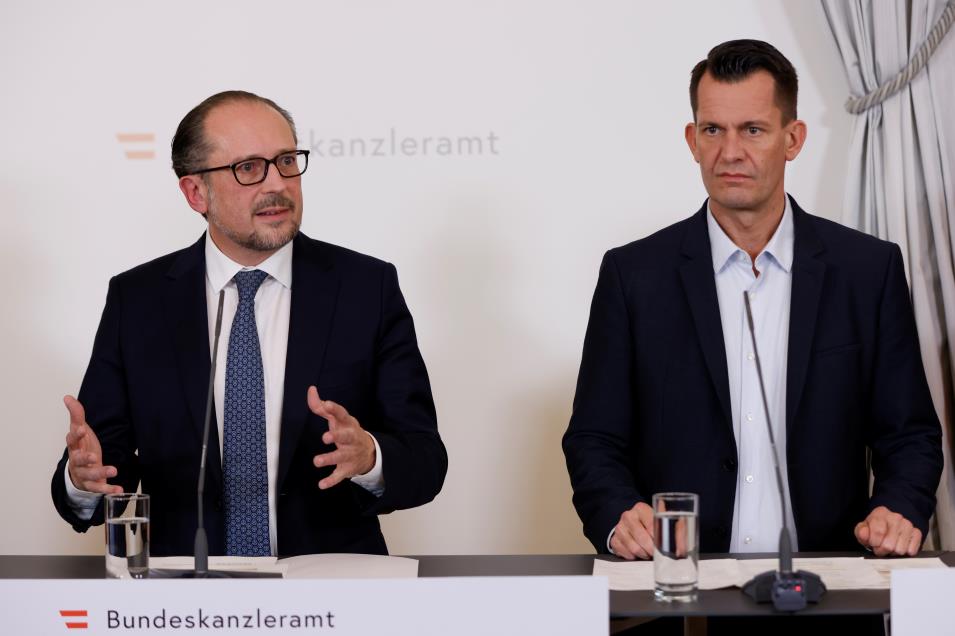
(289, 471)
(668, 396)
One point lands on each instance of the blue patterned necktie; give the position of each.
(243, 448)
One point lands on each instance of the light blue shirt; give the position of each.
(757, 511)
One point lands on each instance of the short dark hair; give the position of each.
(190, 146)
(736, 60)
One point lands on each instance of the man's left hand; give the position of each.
(887, 532)
(355, 450)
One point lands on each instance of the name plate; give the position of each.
(921, 602)
(438, 606)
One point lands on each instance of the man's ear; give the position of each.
(690, 134)
(196, 192)
(795, 137)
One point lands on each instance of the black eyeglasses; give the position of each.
(255, 169)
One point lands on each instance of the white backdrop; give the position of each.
(497, 251)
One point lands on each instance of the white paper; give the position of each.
(718, 573)
(885, 567)
(638, 575)
(224, 563)
(349, 566)
(838, 573)
(625, 575)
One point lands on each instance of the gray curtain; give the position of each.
(901, 178)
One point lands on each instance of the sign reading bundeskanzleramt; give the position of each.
(438, 606)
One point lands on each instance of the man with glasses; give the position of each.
(323, 414)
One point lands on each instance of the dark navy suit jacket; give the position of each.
(652, 408)
(350, 334)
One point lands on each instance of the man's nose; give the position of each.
(731, 149)
(274, 181)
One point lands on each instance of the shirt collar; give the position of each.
(779, 247)
(220, 269)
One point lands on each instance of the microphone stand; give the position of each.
(201, 547)
(787, 590)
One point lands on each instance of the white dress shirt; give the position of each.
(757, 515)
(273, 301)
(757, 512)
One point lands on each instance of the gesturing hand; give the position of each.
(355, 450)
(87, 471)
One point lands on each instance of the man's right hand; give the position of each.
(633, 535)
(86, 456)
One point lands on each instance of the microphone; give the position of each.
(201, 546)
(788, 590)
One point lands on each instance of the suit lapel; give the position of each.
(699, 283)
(315, 286)
(185, 309)
(808, 275)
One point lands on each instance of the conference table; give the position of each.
(626, 608)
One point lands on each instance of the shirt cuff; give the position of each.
(609, 537)
(81, 502)
(374, 480)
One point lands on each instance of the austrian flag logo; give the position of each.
(75, 619)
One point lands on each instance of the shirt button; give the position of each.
(748, 540)
(750, 356)
(749, 479)
(749, 417)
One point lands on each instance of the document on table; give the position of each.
(638, 575)
(306, 566)
(838, 573)
(222, 563)
(885, 567)
(349, 566)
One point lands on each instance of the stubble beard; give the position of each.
(259, 240)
